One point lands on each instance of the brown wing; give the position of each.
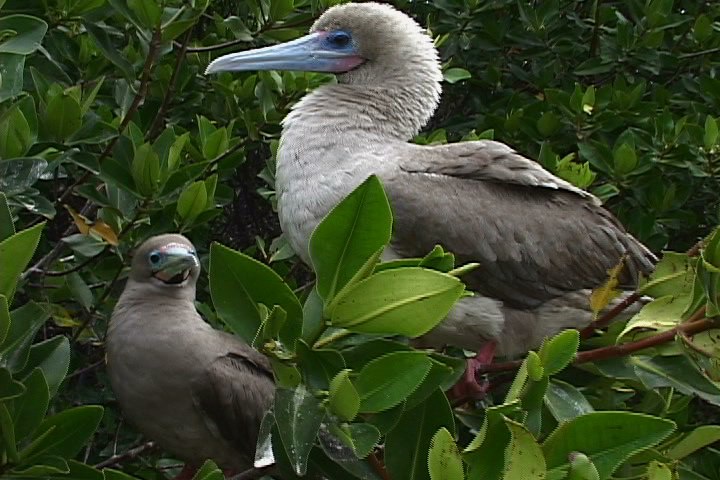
(533, 234)
(234, 393)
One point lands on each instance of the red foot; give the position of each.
(468, 387)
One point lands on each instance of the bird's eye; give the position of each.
(154, 258)
(339, 38)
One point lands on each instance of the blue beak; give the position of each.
(177, 260)
(308, 54)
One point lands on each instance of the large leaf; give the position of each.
(298, 417)
(24, 324)
(524, 457)
(353, 231)
(565, 402)
(406, 301)
(52, 356)
(64, 434)
(390, 379)
(30, 407)
(239, 284)
(444, 461)
(407, 445)
(608, 438)
(15, 254)
(28, 32)
(7, 228)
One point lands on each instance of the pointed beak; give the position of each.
(177, 264)
(307, 54)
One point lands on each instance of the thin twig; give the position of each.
(129, 455)
(172, 84)
(232, 43)
(81, 371)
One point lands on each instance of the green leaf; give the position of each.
(30, 407)
(24, 324)
(298, 417)
(11, 75)
(360, 437)
(524, 457)
(701, 437)
(677, 372)
(625, 159)
(354, 230)
(209, 471)
(408, 444)
(444, 461)
(390, 379)
(674, 274)
(659, 471)
(52, 356)
(8, 433)
(4, 318)
(9, 387)
(147, 11)
(15, 254)
(565, 402)
(64, 434)
(711, 132)
(192, 202)
(703, 29)
(28, 33)
(102, 40)
(279, 9)
(7, 228)
(454, 75)
(238, 284)
(581, 468)
(344, 400)
(557, 352)
(406, 301)
(608, 438)
(145, 170)
(215, 144)
(15, 135)
(63, 116)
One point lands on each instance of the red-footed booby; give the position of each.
(197, 392)
(542, 243)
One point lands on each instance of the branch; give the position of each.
(129, 455)
(160, 116)
(613, 351)
(378, 466)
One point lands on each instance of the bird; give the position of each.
(542, 244)
(197, 392)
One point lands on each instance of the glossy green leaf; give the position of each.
(4, 318)
(581, 468)
(344, 400)
(607, 438)
(524, 457)
(406, 301)
(701, 437)
(15, 134)
(454, 75)
(565, 402)
(360, 437)
(390, 379)
(192, 201)
(238, 284)
(65, 433)
(444, 461)
(52, 356)
(63, 116)
(7, 227)
(30, 407)
(298, 417)
(27, 33)
(354, 230)
(24, 324)
(209, 471)
(15, 254)
(148, 12)
(408, 444)
(145, 170)
(557, 352)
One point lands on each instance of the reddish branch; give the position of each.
(688, 329)
(378, 466)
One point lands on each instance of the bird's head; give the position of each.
(366, 43)
(166, 261)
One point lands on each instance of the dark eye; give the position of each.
(339, 38)
(154, 258)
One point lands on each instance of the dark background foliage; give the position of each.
(617, 97)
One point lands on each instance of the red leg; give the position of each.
(468, 387)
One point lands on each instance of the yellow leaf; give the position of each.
(604, 294)
(81, 222)
(106, 232)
